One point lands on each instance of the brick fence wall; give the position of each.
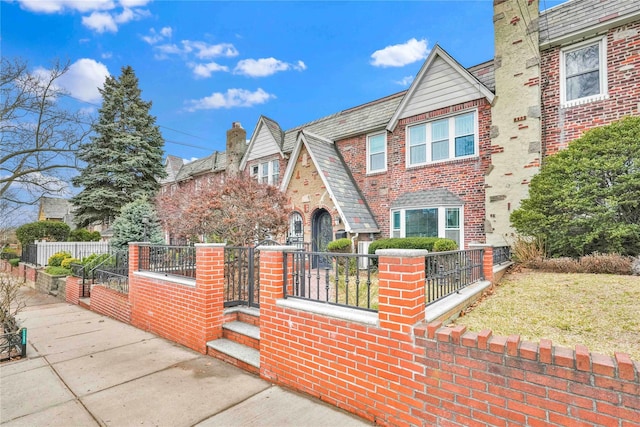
(111, 303)
(395, 369)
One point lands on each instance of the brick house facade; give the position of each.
(454, 154)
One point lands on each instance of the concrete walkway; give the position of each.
(84, 369)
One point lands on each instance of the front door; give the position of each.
(322, 231)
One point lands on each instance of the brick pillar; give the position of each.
(271, 290)
(210, 289)
(73, 289)
(401, 294)
(487, 259)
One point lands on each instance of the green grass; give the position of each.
(599, 311)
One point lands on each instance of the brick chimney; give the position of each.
(236, 146)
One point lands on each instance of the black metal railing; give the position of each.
(241, 276)
(349, 280)
(501, 254)
(449, 272)
(169, 260)
(13, 342)
(113, 272)
(30, 254)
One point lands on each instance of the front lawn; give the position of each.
(599, 311)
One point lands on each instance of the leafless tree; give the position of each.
(38, 135)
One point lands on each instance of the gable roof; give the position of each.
(274, 131)
(338, 181)
(172, 165)
(576, 19)
(438, 53)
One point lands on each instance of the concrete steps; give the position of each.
(240, 342)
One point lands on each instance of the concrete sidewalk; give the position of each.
(84, 369)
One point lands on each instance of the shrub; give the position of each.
(443, 245)
(54, 231)
(56, 259)
(593, 264)
(57, 271)
(14, 262)
(66, 263)
(340, 245)
(84, 235)
(403, 243)
(528, 251)
(94, 260)
(9, 253)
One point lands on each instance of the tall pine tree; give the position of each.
(124, 158)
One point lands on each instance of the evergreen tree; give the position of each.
(586, 198)
(124, 157)
(137, 222)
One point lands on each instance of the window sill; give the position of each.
(582, 101)
(379, 172)
(443, 162)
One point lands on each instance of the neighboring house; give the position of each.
(453, 155)
(558, 73)
(55, 209)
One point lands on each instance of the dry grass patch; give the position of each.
(599, 311)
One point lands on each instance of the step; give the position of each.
(243, 328)
(84, 302)
(237, 351)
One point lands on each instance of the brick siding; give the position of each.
(560, 125)
(464, 178)
(111, 303)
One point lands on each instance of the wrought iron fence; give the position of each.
(501, 254)
(169, 260)
(341, 279)
(30, 254)
(241, 276)
(13, 342)
(449, 272)
(113, 272)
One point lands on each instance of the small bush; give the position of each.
(443, 245)
(84, 235)
(94, 260)
(56, 259)
(403, 243)
(340, 245)
(9, 253)
(14, 262)
(57, 271)
(593, 264)
(66, 263)
(528, 251)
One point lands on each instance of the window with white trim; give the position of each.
(583, 72)
(445, 139)
(377, 153)
(438, 221)
(267, 172)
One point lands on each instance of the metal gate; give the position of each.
(242, 274)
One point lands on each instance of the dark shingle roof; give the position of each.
(485, 73)
(356, 213)
(576, 15)
(433, 197)
(214, 163)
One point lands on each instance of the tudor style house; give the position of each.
(453, 155)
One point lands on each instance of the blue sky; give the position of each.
(205, 64)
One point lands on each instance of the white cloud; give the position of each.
(100, 22)
(107, 55)
(400, 55)
(265, 67)
(205, 70)
(232, 98)
(57, 6)
(156, 37)
(206, 51)
(405, 81)
(84, 78)
(134, 3)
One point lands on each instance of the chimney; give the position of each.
(236, 146)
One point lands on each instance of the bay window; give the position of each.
(428, 222)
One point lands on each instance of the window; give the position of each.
(377, 153)
(583, 72)
(444, 139)
(428, 222)
(267, 172)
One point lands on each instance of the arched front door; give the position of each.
(322, 233)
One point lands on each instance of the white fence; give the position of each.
(77, 249)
